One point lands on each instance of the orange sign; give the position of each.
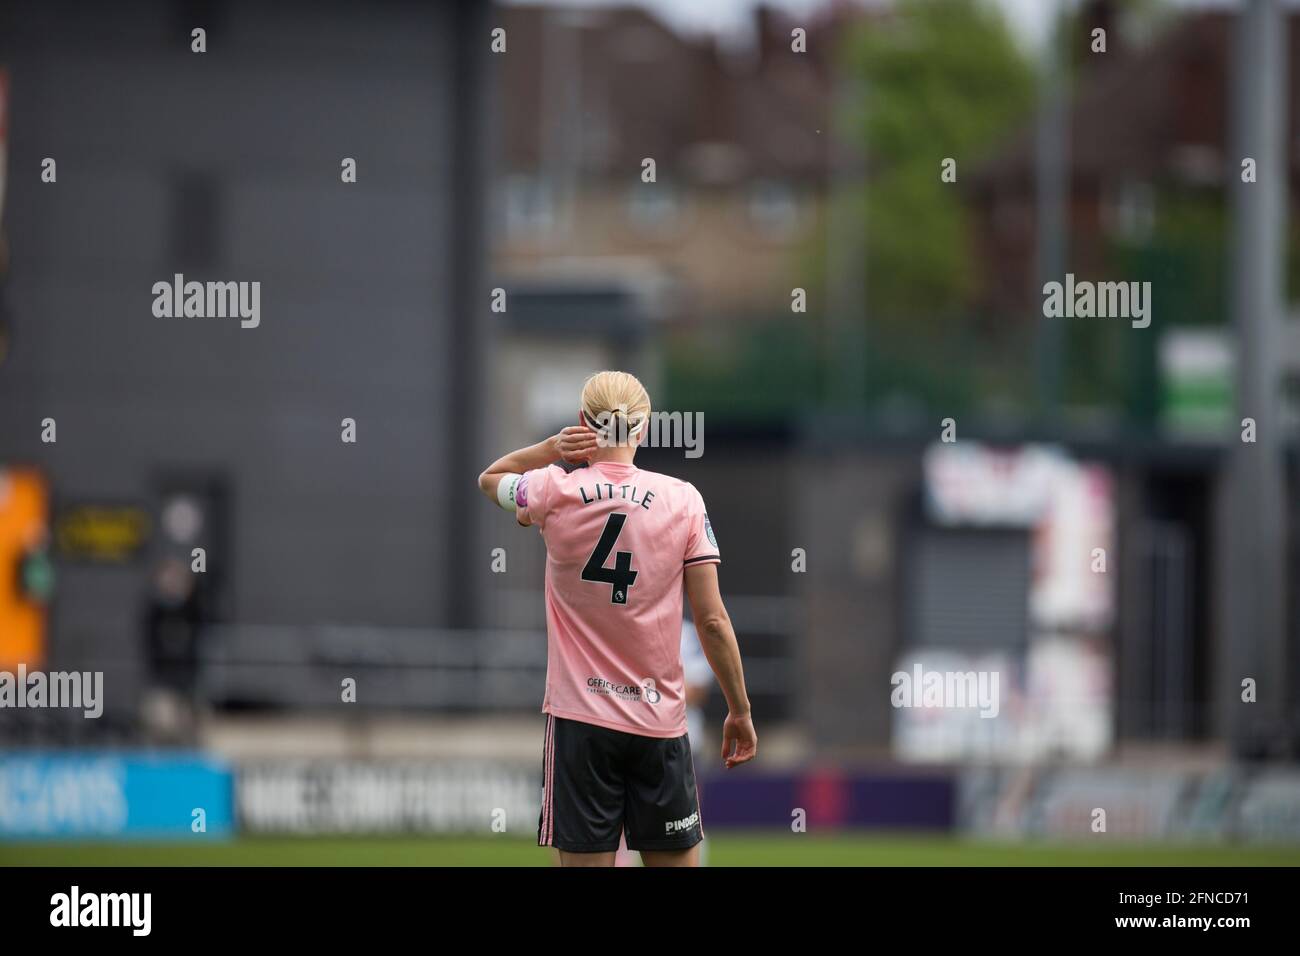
(24, 503)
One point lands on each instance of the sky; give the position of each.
(1028, 18)
(730, 16)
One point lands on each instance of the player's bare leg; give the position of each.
(586, 859)
(689, 857)
(623, 856)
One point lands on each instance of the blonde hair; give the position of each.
(616, 405)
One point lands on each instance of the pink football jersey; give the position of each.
(617, 540)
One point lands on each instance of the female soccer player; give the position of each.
(619, 544)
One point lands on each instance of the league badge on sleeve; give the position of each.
(708, 529)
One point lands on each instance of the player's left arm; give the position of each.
(573, 444)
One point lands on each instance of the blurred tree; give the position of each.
(938, 79)
(941, 79)
(764, 371)
(1185, 259)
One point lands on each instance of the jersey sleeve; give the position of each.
(701, 545)
(536, 487)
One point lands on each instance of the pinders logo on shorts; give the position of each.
(685, 823)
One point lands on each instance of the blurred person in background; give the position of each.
(173, 616)
(617, 755)
(699, 681)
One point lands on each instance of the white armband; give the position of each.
(506, 491)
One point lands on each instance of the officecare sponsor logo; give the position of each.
(645, 691)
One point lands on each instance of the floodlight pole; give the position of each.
(847, 354)
(1252, 563)
(1051, 188)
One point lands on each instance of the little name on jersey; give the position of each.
(604, 491)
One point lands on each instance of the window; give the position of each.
(773, 208)
(654, 207)
(529, 206)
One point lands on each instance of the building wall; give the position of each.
(226, 166)
(712, 245)
(852, 593)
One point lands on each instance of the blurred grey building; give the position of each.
(174, 433)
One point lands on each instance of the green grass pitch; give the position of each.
(724, 849)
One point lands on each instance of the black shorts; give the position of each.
(598, 782)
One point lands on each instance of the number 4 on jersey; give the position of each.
(621, 576)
